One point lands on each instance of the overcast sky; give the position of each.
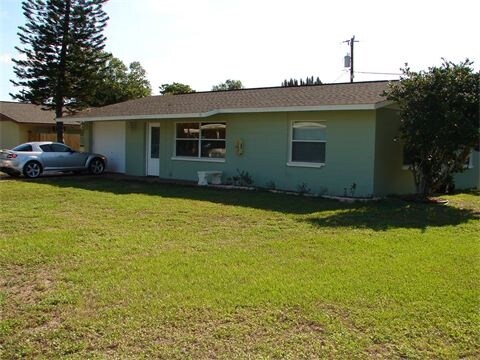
(262, 42)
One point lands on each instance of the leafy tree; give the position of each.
(439, 111)
(62, 43)
(308, 81)
(228, 85)
(119, 83)
(138, 84)
(175, 88)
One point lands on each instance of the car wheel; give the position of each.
(96, 167)
(32, 169)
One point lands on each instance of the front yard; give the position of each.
(110, 268)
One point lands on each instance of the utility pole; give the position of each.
(351, 42)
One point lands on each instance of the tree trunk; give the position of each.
(59, 130)
(420, 181)
(62, 65)
(59, 122)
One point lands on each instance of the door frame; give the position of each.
(149, 127)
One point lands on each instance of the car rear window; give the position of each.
(23, 147)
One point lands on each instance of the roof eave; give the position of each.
(383, 104)
(234, 111)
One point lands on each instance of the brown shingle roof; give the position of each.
(349, 94)
(26, 113)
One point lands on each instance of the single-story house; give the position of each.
(332, 139)
(21, 122)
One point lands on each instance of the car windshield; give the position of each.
(23, 147)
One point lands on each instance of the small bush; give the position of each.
(303, 188)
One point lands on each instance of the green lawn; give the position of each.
(111, 268)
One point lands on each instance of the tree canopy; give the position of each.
(175, 88)
(439, 111)
(62, 49)
(228, 85)
(301, 82)
(118, 83)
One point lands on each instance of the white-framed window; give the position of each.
(200, 140)
(308, 143)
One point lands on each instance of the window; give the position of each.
(23, 147)
(200, 140)
(60, 148)
(46, 148)
(155, 142)
(308, 142)
(55, 148)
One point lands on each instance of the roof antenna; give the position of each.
(348, 59)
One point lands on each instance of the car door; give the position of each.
(48, 157)
(66, 158)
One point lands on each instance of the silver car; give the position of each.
(33, 158)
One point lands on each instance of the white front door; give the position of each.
(153, 149)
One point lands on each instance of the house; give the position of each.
(333, 138)
(21, 122)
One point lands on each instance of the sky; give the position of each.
(262, 42)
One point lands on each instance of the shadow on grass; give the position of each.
(391, 213)
(378, 216)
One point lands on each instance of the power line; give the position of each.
(349, 62)
(376, 73)
(339, 76)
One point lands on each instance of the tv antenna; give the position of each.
(348, 60)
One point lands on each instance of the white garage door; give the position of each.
(109, 140)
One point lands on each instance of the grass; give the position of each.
(95, 268)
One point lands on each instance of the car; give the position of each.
(34, 158)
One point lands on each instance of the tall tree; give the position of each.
(119, 83)
(175, 88)
(62, 50)
(228, 85)
(306, 82)
(439, 112)
(138, 84)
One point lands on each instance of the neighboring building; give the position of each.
(327, 137)
(20, 122)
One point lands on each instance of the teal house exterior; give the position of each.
(332, 138)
